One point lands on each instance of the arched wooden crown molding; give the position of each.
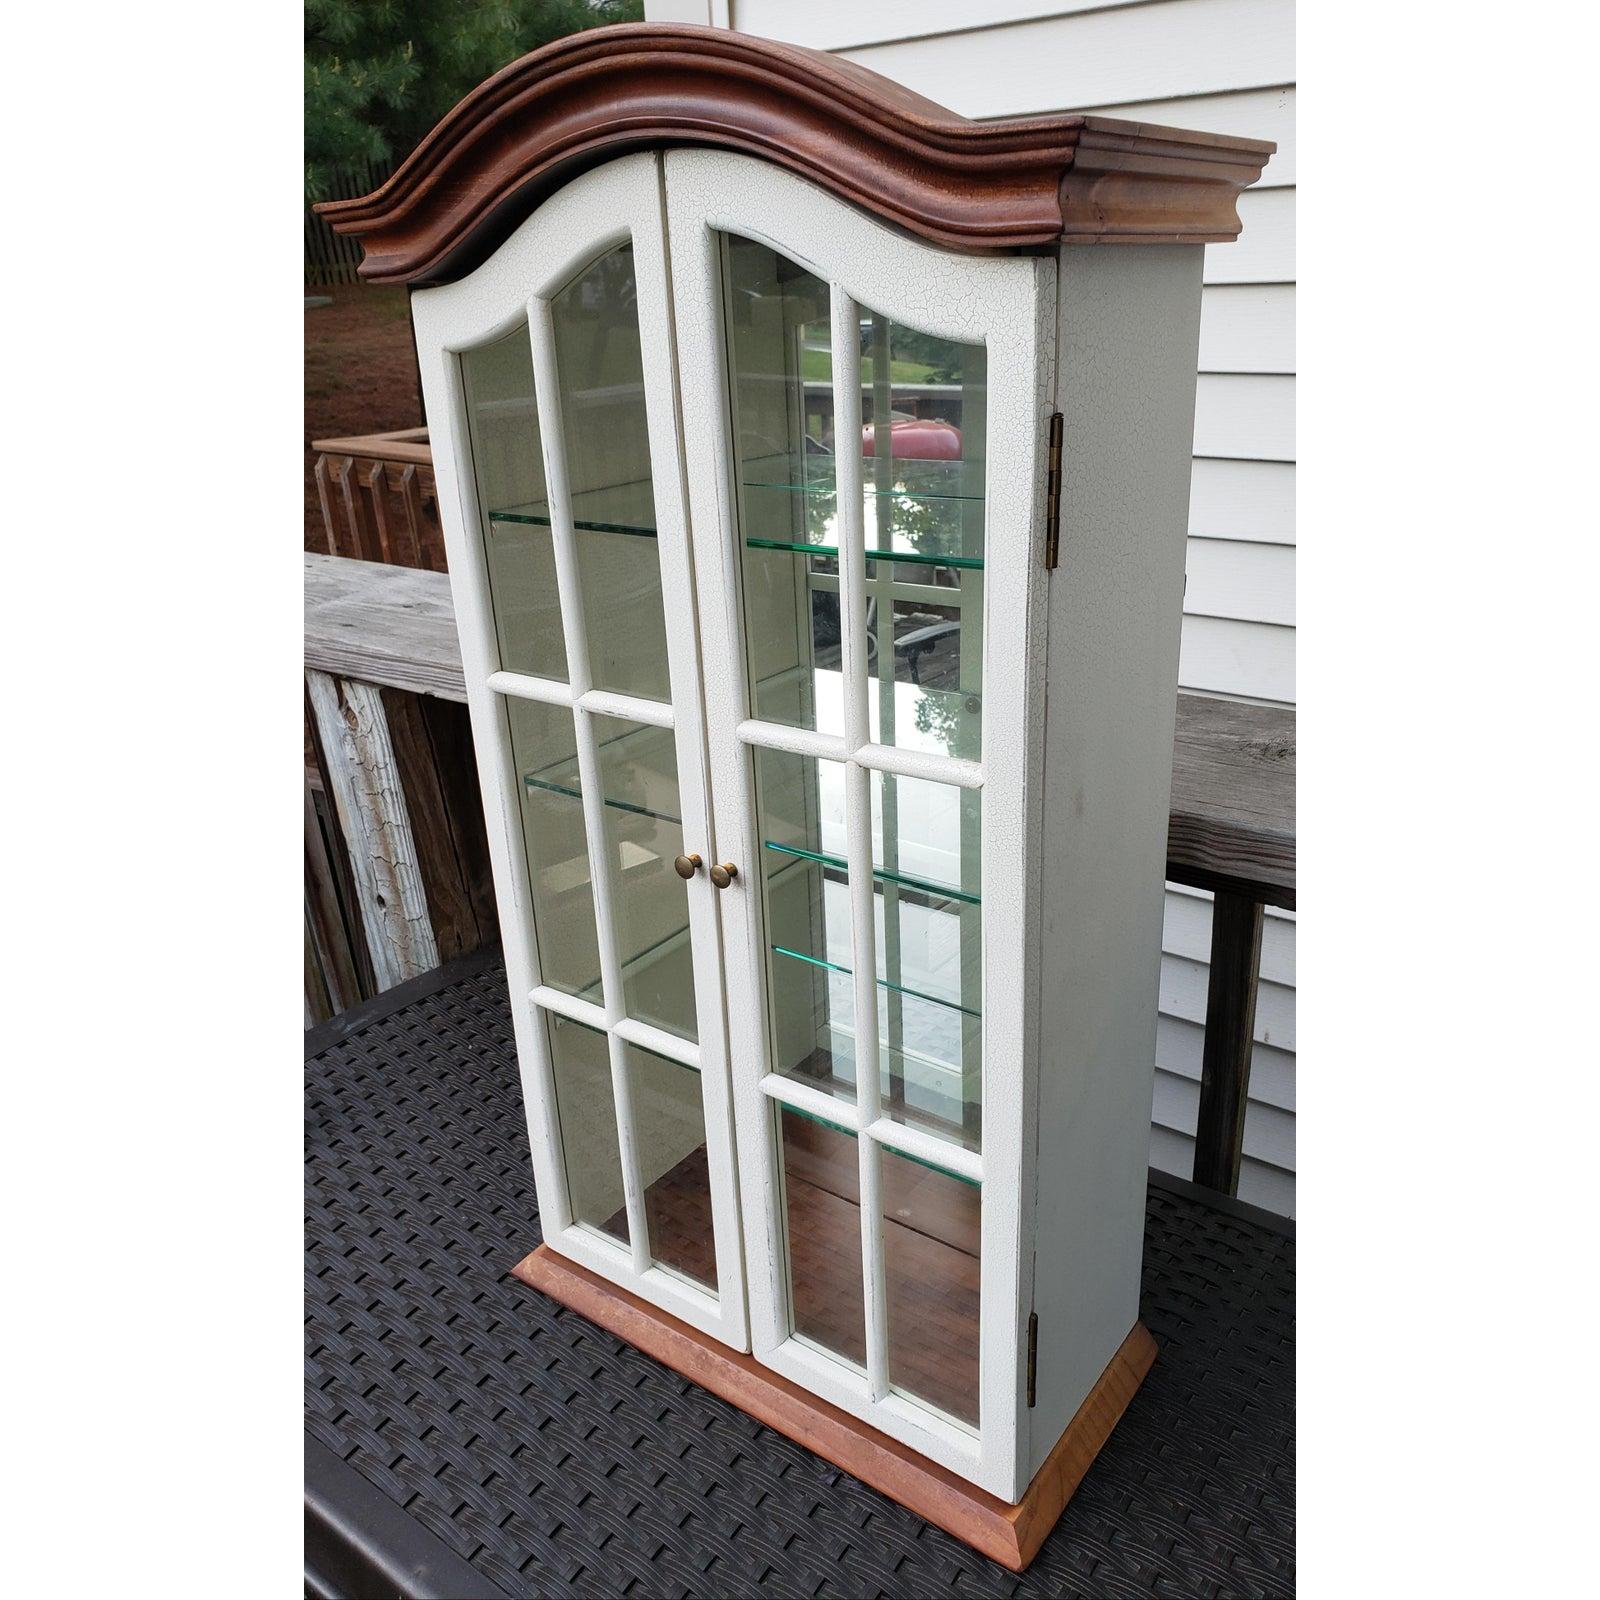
(1021, 183)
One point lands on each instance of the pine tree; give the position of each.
(380, 73)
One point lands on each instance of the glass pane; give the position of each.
(504, 430)
(930, 954)
(923, 486)
(822, 1201)
(806, 900)
(545, 756)
(931, 1232)
(917, 620)
(782, 406)
(639, 779)
(670, 1131)
(601, 372)
(588, 1118)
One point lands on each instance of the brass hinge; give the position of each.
(1033, 1356)
(1052, 498)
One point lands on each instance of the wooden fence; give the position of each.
(331, 257)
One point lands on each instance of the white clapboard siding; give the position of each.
(1219, 66)
(1183, 996)
(1221, 655)
(1247, 327)
(1267, 1178)
(1249, 415)
(1264, 251)
(1259, 1183)
(1100, 57)
(1242, 500)
(847, 24)
(1251, 582)
(1187, 932)
(1268, 1132)
(1180, 1049)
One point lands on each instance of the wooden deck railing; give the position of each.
(397, 861)
(378, 498)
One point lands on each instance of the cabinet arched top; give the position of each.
(1020, 183)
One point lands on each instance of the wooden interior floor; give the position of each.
(930, 1250)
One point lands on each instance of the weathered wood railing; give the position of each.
(383, 666)
(378, 498)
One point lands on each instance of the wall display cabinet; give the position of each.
(814, 469)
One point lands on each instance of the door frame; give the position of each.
(608, 206)
(1008, 305)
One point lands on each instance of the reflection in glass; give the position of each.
(925, 851)
(822, 1204)
(503, 425)
(587, 1112)
(929, 939)
(806, 901)
(925, 398)
(931, 1232)
(670, 1133)
(639, 781)
(922, 455)
(782, 406)
(601, 370)
(544, 755)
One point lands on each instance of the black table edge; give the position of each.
(326, 1034)
(359, 1543)
(1215, 1200)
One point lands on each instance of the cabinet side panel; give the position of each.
(1129, 331)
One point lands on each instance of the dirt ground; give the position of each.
(361, 375)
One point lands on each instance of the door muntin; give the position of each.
(548, 375)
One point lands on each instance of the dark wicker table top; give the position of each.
(485, 1425)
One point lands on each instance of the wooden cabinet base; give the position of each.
(1008, 1534)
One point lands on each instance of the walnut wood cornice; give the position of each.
(1022, 183)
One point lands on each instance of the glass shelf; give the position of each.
(623, 508)
(561, 777)
(919, 557)
(929, 516)
(936, 891)
(914, 478)
(631, 966)
(841, 1127)
(883, 983)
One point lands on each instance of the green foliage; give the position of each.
(381, 73)
(940, 360)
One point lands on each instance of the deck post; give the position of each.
(367, 793)
(1236, 923)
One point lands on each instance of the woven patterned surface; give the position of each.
(559, 1461)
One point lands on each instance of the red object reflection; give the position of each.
(918, 439)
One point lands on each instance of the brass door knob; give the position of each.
(686, 866)
(723, 875)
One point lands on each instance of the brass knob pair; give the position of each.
(721, 876)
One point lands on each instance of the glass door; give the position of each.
(549, 376)
(855, 392)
